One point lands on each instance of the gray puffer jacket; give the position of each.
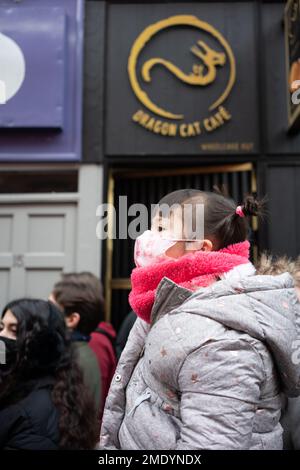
(209, 371)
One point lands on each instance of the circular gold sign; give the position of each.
(202, 74)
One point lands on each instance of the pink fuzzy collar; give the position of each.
(191, 271)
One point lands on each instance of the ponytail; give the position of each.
(252, 206)
(225, 222)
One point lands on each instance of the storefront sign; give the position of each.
(292, 43)
(181, 78)
(208, 62)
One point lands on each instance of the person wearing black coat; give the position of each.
(44, 404)
(124, 331)
(33, 422)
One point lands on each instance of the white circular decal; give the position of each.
(12, 68)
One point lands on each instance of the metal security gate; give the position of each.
(148, 187)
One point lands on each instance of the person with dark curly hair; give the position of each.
(44, 404)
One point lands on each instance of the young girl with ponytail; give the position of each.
(212, 349)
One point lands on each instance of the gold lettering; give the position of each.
(189, 129)
(136, 117)
(207, 126)
(157, 127)
(165, 128)
(150, 124)
(182, 130)
(197, 127)
(226, 115)
(172, 129)
(217, 120)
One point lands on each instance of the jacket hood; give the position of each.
(108, 328)
(265, 307)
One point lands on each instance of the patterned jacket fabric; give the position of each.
(210, 369)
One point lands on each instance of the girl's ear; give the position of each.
(207, 245)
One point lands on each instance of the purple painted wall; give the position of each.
(42, 121)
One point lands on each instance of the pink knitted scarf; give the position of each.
(194, 270)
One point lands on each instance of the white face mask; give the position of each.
(150, 247)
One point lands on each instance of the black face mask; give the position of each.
(8, 353)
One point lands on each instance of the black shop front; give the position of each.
(193, 94)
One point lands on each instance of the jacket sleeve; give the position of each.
(220, 388)
(10, 419)
(116, 399)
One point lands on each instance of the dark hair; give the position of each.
(81, 293)
(177, 197)
(44, 349)
(222, 224)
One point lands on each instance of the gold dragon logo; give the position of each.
(203, 73)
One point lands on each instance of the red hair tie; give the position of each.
(239, 211)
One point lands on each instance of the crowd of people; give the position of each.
(60, 359)
(208, 358)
